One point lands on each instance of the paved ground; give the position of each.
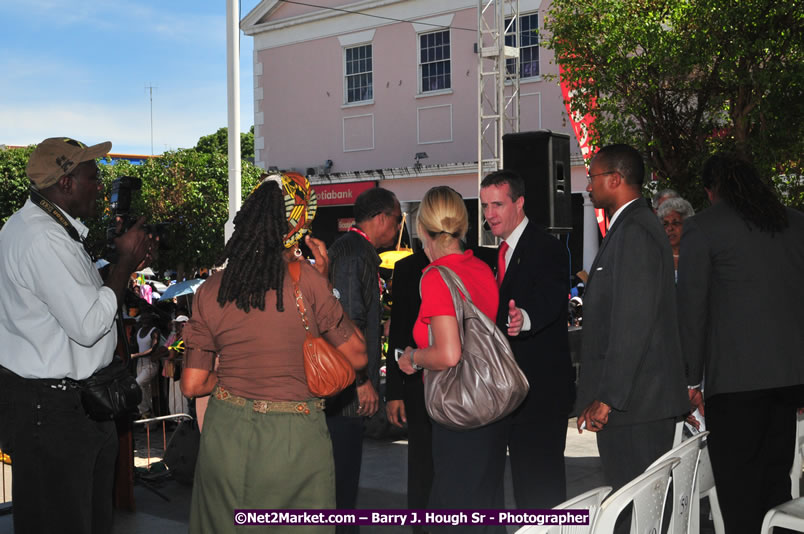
(383, 481)
(382, 485)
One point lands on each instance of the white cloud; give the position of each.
(177, 123)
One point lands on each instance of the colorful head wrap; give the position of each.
(300, 204)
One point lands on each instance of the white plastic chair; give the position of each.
(706, 488)
(647, 492)
(795, 473)
(786, 515)
(589, 500)
(684, 480)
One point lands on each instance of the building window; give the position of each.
(434, 63)
(359, 78)
(528, 46)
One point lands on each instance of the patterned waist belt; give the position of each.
(266, 406)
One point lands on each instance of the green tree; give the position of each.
(218, 143)
(189, 191)
(681, 79)
(13, 180)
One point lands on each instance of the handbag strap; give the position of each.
(294, 268)
(453, 283)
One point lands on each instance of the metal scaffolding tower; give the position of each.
(497, 87)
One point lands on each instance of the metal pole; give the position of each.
(233, 95)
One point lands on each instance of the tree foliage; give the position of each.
(13, 180)
(218, 143)
(187, 189)
(682, 79)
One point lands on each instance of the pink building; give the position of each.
(355, 96)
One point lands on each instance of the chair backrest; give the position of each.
(589, 500)
(647, 492)
(798, 458)
(705, 487)
(684, 480)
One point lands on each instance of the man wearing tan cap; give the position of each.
(57, 325)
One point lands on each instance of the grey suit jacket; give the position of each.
(631, 353)
(741, 302)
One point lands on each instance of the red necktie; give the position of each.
(501, 263)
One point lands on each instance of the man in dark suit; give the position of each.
(632, 384)
(533, 275)
(741, 315)
(405, 393)
(354, 272)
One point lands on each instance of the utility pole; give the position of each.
(151, 96)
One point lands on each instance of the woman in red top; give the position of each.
(468, 465)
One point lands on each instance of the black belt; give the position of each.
(63, 384)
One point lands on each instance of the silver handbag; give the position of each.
(487, 384)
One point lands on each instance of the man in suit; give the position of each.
(741, 315)
(405, 393)
(533, 275)
(354, 272)
(632, 384)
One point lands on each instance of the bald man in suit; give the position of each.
(632, 384)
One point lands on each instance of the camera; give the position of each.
(120, 206)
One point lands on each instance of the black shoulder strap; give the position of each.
(49, 208)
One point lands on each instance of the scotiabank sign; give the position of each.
(341, 194)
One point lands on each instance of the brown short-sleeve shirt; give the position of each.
(261, 351)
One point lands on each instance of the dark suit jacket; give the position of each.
(537, 278)
(631, 353)
(353, 270)
(405, 309)
(741, 302)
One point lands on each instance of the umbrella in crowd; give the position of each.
(159, 286)
(186, 287)
(146, 272)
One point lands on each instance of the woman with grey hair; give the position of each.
(672, 213)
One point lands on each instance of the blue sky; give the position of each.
(80, 69)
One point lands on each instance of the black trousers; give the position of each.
(62, 461)
(346, 433)
(627, 450)
(536, 449)
(751, 442)
(420, 445)
(469, 469)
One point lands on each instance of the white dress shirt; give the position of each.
(512, 241)
(56, 318)
(619, 211)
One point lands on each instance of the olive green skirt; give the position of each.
(252, 460)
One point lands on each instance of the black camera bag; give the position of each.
(110, 392)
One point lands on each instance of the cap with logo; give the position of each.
(57, 156)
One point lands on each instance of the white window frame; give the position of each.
(346, 76)
(420, 64)
(537, 46)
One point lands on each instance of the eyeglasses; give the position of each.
(398, 217)
(674, 224)
(590, 176)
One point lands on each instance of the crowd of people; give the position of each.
(681, 312)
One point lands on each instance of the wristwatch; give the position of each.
(416, 366)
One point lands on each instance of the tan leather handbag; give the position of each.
(487, 384)
(327, 369)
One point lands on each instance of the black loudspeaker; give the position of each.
(542, 158)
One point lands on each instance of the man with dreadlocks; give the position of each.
(264, 443)
(740, 322)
